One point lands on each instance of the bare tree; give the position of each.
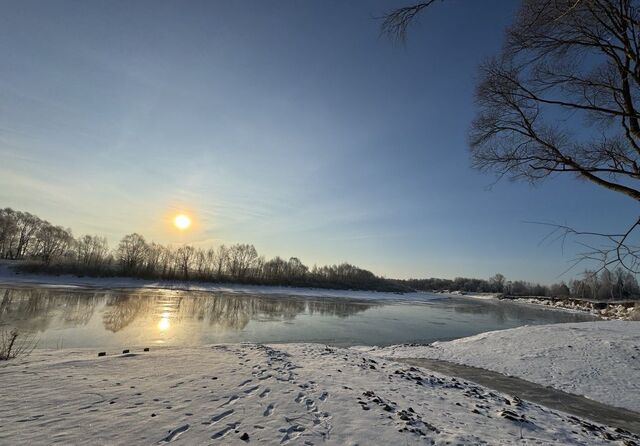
(153, 260)
(52, 242)
(497, 282)
(562, 98)
(296, 269)
(274, 269)
(91, 252)
(166, 261)
(17, 233)
(131, 253)
(241, 258)
(13, 345)
(221, 260)
(8, 228)
(559, 290)
(185, 257)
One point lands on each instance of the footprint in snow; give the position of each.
(231, 400)
(251, 390)
(174, 434)
(291, 433)
(221, 433)
(269, 410)
(216, 418)
(311, 405)
(265, 392)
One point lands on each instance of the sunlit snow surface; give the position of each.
(600, 360)
(254, 394)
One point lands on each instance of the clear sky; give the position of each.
(287, 124)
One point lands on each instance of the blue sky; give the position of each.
(290, 125)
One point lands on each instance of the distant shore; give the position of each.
(10, 277)
(627, 310)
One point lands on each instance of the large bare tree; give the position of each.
(562, 99)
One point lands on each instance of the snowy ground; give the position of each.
(253, 394)
(9, 277)
(600, 360)
(612, 311)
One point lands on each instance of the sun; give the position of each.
(182, 221)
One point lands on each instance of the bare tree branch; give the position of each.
(611, 249)
(561, 98)
(395, 23)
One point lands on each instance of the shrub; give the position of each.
(14, 345)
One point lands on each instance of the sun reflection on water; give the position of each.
(164, 324)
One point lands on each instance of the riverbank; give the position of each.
(600, 360)
(9, 277)
(279, 394)
(605, 310)
(627, 310)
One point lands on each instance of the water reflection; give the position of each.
(504, 310)
(120, 318)
(164, 323)
(34, 309)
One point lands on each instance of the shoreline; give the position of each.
(600, 359)
(611, 310)
(629, 310)
(602, 309)
(9, 277)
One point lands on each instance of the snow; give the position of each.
(600, 360)
(611, 311)
(9, 277)
(485, 296)
(255, 394)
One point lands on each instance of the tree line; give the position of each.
(617, 284)
(54, 249)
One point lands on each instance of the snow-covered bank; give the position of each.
(600, 360)
(611, 311)
(603, 310)
(246, 393)
(9, 277)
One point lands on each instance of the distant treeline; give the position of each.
(604, 285)
(54, 249)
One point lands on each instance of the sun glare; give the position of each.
(164, 324)
(182, 222)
